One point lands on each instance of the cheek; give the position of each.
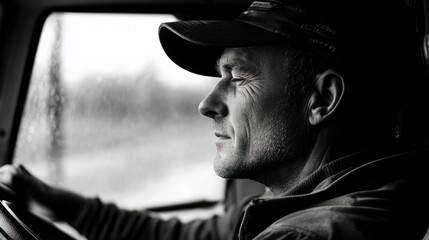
(243, 118)
(241, 121)
(251, 115)
(277, 119)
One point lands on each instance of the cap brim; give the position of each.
(197, 45)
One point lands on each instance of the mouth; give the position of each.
(221, 136)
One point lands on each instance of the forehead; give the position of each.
(235, 57)
(238, 54)
(244, 56)
(256, 56)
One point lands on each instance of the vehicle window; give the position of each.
(108, 114)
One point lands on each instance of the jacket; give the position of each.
(377, 194)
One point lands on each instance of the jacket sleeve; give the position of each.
(107, 221)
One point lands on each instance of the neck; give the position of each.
(328, 146)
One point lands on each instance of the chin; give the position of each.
(230, 168)
(221, 168)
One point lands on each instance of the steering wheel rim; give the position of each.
(18, 223)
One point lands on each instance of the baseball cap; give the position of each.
(196, 45)
(344, 33)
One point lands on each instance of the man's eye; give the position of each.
(238, 81)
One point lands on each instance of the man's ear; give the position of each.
(325, 96)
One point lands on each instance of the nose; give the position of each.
(214, 104)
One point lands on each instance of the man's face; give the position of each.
(257, 124)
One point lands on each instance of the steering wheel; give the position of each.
(17, 223)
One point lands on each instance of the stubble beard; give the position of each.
(280, 145)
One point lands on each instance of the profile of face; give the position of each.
(258, 124)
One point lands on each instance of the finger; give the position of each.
(8, 194)
(16, 178)
(8, 174)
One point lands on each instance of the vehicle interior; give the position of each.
(89, 102)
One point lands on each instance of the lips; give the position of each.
(221, 135)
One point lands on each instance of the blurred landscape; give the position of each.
(121, 136)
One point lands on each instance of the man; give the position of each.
(306, 104)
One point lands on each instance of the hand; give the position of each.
(29, 191)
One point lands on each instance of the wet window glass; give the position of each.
(108, 114)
